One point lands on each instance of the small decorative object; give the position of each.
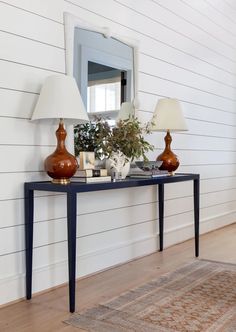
(149, 165)
(147, 169)
(60, 99)
(168, 117)
(117, 164)
(87, 160)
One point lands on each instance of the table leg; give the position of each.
(71, 228)
(196, 215)
(161, 214)
(29, 215)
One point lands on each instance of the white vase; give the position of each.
(125, 170)
(120, 168)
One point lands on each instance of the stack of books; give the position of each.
(91, 176)
(153, 173)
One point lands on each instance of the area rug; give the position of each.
(198, 297)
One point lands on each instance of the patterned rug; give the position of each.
(198, 297)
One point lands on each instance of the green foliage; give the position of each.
(92, 136)
(127, 136)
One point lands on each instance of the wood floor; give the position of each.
(46, 312)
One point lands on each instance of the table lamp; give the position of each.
(60, 99)
(168, 117)
(126, 111)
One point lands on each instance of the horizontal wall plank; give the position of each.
(179, 28)
(31, 53)
(168, 88)
(52, 9)
(31, 26)
(199, 16)
(195, 63)
(12, 184)
(188, 141)
(194, 26)
(27, 133)
(176, 221)
(156, 67)
(230, 4)
(218, 184)
(213, 15)
(22, 78)
(191, 142)
(17, 104)
(205, 157)
(20, 159)
(216, 198)
(210, 171)
(223, 10)
(210, 129)
(214, 210)
(46, 233)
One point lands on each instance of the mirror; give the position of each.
(103, 64)
(106, 88)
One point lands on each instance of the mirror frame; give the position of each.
(71, 22)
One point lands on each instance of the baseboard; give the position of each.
(47, 277)
(185, 232)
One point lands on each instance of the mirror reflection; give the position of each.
(103, 68)
(106, 89)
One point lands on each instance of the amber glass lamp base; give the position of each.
(170, 161)
(61, 165)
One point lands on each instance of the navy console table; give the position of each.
(71, 191)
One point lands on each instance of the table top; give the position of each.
(126, 183)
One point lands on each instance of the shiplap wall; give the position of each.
(187, 51)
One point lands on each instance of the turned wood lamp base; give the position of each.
(170, 161)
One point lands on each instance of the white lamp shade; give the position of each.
(168, 116)
(126, 110)
(60, 99)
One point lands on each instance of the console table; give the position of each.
(71, 191)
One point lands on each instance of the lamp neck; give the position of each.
(168, 140)
(61, 136)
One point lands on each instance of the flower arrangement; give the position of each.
(127, 137)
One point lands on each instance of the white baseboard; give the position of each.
(13, 288)
(186, 232)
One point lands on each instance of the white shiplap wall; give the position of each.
(187, 51)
